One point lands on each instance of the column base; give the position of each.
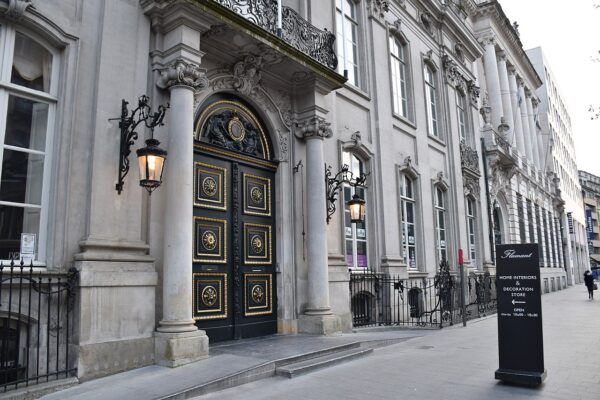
(176, 349)
(320, 324)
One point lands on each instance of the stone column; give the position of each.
(538, 131)
(490, 65)
(532, 129)
(177, 339)
(505, 94)
(317, 318)
(518, 128)
(525, 121)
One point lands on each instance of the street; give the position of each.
(457, 363)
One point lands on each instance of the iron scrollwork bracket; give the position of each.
(128, 124)
(333, 184)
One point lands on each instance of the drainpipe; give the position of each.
(489, 205)
(279, 20)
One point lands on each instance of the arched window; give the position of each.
(355, 233)
(409, 221)
(461, 109)
(28, 88)
(440, 223)
(472, 229)
(431, 101)
(399, 76)
(347, 39)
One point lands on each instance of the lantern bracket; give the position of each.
(128, 123)
(334, 183)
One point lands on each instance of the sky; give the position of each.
(569, 34)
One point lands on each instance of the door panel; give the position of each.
(234, 248)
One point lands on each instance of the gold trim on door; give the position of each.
(259, 289)
(214, 292)
(210, 234)
(258, 248)
(257, 200)
(209, 186)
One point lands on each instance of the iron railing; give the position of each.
(383, 299)
(36, 324)
(296, 31)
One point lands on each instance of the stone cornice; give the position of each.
(492, 9)
(181, 73)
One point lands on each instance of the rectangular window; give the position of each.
(530, 218)
(355, 233)
(440, 224)
(27, 100)
(347, 39)
(407, 210)
(462, 116)
(399, 89)
(431, 101)
(471, 231)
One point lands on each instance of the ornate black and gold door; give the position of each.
(234, 293)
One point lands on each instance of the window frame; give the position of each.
(340, 14)
(432, 109)
(439, 209)
(353, 226)
(7, 89)
(404, 202)
(471, 213)
(402, 60)
(464, 127)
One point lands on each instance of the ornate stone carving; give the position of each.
(396, 27)
(245, 76)
(283, 145)
(487, 40)
(181, 73)
(486, 111)
(219, 130)
(471, 185)
(378, 8)
(426, 20)
(474, 91)
(17, 8)
(459, 51)
(515, 26)
(469, 158)
(313, 127)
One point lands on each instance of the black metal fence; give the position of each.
(382, 299)
(36, 323)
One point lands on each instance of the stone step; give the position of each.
(302, 367)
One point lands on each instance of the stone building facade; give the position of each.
(590, 190)
(524, 196)
(434, 101)
(557, 137)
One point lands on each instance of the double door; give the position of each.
(234, 292)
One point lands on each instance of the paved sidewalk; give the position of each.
(229, 364)
(457, 363)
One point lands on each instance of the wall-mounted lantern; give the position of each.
(334, 184)
(151, 158)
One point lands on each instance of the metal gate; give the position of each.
(383, 299)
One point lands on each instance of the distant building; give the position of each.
(590, 190)
(559, 157)
(525, 202)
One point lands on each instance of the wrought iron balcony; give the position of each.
(296, 31)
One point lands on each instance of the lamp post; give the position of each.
(151, 158)
(334, 185)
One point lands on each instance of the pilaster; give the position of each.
(518, 125)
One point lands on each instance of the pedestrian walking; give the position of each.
(588, 279)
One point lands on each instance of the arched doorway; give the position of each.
(498, 238)
(234, 283)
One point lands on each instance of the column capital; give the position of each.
(182, 73)
(501, 55)
(527, 92)
(511, 70)
(534, 102)
(313, 128)
(520, 81)
(487, 40)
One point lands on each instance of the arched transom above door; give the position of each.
(231, 125)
